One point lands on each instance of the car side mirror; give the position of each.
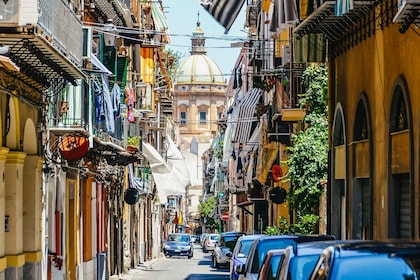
(240, 269)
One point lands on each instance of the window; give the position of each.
(183, 118)
(203, 118)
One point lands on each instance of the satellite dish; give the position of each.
(276, 172)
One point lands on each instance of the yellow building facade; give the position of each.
(374, 87)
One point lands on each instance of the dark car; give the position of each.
(260, 247)
(299, 259)
(178, 244)
(369, 260)
(224, 247)
(240, 253)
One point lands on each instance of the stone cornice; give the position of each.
(16, 158)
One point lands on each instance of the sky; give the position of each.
(182, 19)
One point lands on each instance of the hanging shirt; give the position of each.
(116, 100)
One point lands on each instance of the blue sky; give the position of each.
(182, 18)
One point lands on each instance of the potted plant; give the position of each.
(133, 143)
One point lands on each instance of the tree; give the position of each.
(308, 159)
(206, 208)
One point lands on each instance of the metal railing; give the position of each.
(63, 27)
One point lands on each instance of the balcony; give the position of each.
(324, 20)
(408, 13)
(43, 43)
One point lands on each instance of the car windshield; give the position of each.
(214, 237)
(229, 241)
(264, 247)
(376, 267)
(179, 238)
(301, 267)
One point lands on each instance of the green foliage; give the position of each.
(205, 208)
(218, 153)
(134, 140)
(308, 155)
(305, 224)
(315, 80)
(173, 61)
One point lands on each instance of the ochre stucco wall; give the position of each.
(372, 67)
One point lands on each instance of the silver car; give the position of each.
(224, 247)
(210, 242)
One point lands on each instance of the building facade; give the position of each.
(373, 184)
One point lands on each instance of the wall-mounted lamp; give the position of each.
(140, 94)
(110, 34)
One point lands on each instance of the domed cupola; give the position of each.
(198, 68)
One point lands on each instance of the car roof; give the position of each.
(250, 237)
(298, 237)
(315, 247)
(232, 233)
(376, 247)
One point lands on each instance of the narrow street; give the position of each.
(180, 268)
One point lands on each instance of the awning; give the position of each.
(112, 10)
(168, 179)
(158, 18)
(324, 20)
(245, 116)
(223, 11)
(99, 65)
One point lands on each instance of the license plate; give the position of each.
(177, 251)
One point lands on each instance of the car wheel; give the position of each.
(215, 263)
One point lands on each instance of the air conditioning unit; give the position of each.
(87, 42)
(285, 55)
(19, 13)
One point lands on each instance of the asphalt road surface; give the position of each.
(181, 268)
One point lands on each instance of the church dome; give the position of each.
(198, 68)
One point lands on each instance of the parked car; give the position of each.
(202, 238)
(369, 260)
(271, 265)
(240, 253)
(178, 244)
(224, 247)
(210, 242)
(260, 247)
(299, 259)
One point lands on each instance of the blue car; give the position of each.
(371, 260)
(260, 247)
(178, 244)
(240, 253)
(299, 259)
